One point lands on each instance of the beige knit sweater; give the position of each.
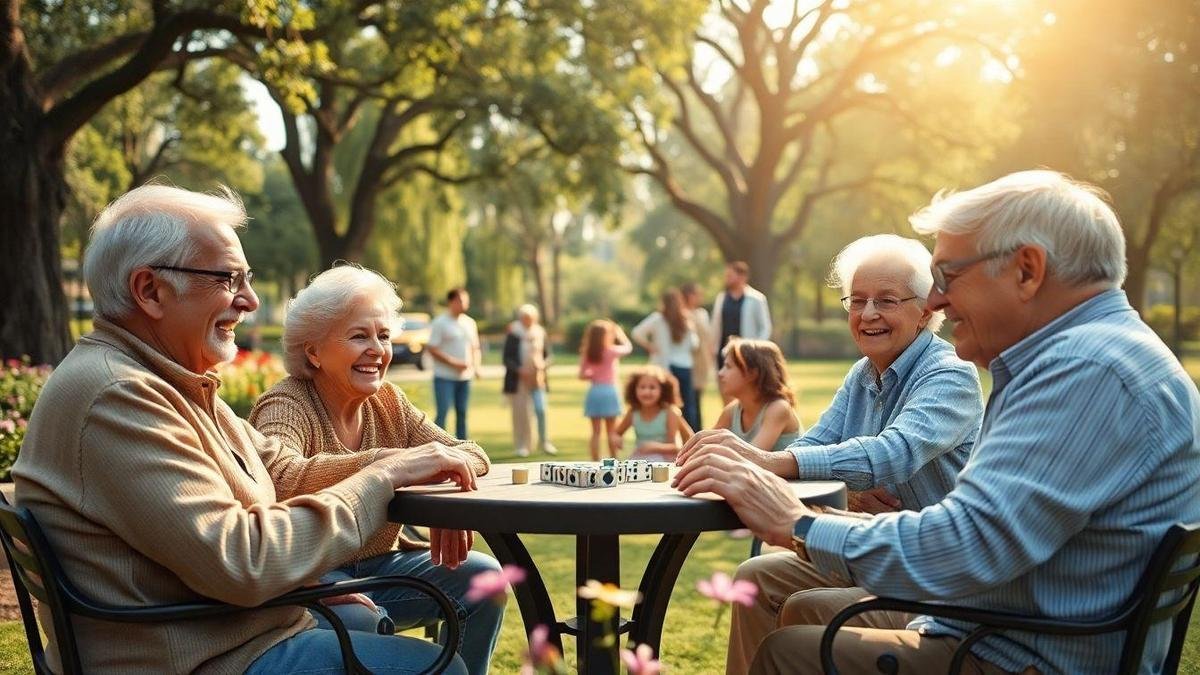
(292, 411)
(152, 491)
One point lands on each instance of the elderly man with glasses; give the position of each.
(1088, 453)
(898, 431)
(152, 491)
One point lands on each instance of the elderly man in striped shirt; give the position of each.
(1089, 451)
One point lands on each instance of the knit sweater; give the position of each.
(293, 412)
(152, 491)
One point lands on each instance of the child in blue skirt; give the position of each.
(604, 343)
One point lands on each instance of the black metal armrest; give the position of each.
(988, 622)
(308, 596)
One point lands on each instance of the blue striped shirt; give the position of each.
(1089, 451)
(911, 429)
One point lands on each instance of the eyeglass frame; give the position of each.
(235, 281)
(938, 270)
(849, 299)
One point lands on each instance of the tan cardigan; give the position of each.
(152, 491)
(292, 411)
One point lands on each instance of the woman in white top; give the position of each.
(670, 337)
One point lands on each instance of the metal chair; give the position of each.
(36, 571)
(1172, 576)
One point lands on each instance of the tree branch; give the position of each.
(59, 78)
(684, 123)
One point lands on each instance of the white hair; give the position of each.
(530, 311)
(320, 308)
(888, 249)
(150, 225)
(1071, 220)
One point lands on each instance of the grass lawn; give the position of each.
(691, 643)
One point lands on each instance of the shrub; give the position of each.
(1162, 319)
(246, 377)
(20, 384)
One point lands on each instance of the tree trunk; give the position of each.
(1135, 280)
(819, 300)
(539, 280)
(1177, 341)
(33, 195)
(556, 277)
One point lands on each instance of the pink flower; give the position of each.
(542, 655)
(493, 583)
(723, 589)
(8, 426)
(641, 661)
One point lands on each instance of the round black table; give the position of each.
(500, 510)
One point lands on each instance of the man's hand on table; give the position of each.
(707, 441)
(449, 548)
(762, 500)
(426, 464)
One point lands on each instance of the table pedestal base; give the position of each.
(597, 557)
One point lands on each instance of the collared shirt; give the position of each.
(1089, 452)
(910, 429)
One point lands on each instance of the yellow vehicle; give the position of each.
(408, 345)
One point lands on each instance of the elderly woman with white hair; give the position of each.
(526, 353)
(898, 431)
(337, 349)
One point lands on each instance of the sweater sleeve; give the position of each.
(418, 430)
(150, 479)
(296, 459)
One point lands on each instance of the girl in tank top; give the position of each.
(762, 411)
(658, 426)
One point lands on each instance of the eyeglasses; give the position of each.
(857, 305)
(233, 281)
(940, 284)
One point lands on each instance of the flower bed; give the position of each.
(20, 384)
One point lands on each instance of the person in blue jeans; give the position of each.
(454, 346)
(316, 651)
(407, 608)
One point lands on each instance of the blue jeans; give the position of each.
(458, 391)
(691, 400)
(409, 608)
(538, 396)
(316, 651)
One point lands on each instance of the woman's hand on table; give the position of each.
(763, 501)
(427, 464)
(704, 442)
(449, 548)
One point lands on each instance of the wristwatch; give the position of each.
(799, 533)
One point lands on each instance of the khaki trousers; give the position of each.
(789, 640)
(522, 405)
(778, 576)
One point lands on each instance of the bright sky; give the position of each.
(270, 122)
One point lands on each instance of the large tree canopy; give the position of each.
(773, 102)
(61, 63)
(1111, 95)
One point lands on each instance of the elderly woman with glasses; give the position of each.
(337, 348)
(898, 431)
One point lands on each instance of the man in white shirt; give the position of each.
(454, 346)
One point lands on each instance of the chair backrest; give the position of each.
(1167, 590)
(36, 571)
